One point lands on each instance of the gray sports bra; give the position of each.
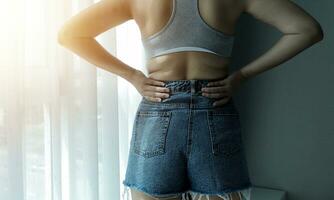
(186, 30)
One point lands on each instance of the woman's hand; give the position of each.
(223, 89)
(150, 89)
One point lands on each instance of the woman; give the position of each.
(186, 139)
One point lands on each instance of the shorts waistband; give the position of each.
(186, 94)
(189, 86)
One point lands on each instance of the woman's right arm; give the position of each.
(300, 31)
(78, 35)
(79, 32)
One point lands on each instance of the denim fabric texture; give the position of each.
(185, 146)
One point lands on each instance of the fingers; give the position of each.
(221, 102)
(215, 92)
(153, 99)
(216, 95)
(155, 91)
(217, 83)
(214, 89)
(155, 96)
(222, 94)
(151, 81)
(219, 90)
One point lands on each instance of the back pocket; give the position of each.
(225, 132)
(150, 132)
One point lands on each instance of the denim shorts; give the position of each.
(184, 146)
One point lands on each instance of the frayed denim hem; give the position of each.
(243, 193)
(126, 194)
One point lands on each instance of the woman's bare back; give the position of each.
(151, 16)
(300, 30)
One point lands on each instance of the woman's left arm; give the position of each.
(300, 31)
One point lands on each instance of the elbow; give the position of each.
(314, 33)
(65, 35)
(317, 34)
(61, 37)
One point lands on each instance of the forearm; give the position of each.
(89, 49)
(285, 48)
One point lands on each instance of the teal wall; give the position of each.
(287, 113)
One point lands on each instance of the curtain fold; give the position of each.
(65, 124)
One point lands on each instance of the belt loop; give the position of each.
(192, 84)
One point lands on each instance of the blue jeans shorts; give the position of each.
(184, 146)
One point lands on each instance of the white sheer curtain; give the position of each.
(65, 125)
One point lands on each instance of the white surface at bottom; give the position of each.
(259, 193)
